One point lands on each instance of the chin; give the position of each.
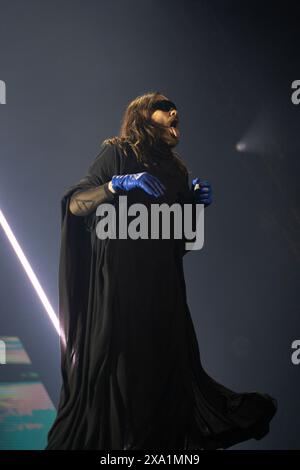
(170, 141)
(167, 139)
(173, 143)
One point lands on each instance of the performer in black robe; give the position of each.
(132, 377)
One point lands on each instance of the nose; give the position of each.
(173, 112)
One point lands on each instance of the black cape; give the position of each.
(131, 371)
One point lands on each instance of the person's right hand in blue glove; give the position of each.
(145, 181)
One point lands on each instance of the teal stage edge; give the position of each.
(26, 410)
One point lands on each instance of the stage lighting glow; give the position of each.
(29, 271)
(241, 146)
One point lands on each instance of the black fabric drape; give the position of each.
(132, 377)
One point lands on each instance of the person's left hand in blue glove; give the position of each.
(202, 191)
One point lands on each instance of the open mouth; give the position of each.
(174, 128)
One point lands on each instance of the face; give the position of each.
(168, 118)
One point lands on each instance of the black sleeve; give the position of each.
(98, 175)
(75, 256)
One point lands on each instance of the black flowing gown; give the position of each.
(131, 371)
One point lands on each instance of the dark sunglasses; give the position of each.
(163, 105)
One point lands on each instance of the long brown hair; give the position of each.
(141, 134)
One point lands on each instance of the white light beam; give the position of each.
(29, 271)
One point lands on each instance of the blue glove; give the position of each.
(203, 195)
(145, 181)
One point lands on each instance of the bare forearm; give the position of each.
(85, 202)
